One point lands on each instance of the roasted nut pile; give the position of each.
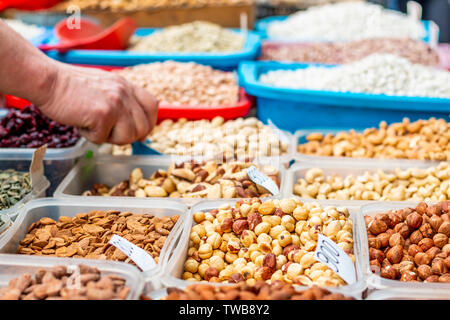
(28, 31)
(413, 184)
(86, 235)
(260, 291)
(198, 36)
(192, 180)
(14, 186)
(177, 83)
(29, 128)
(422, 140)
(338, 53)
(58, 284)
(376, 74)
(363, 20)
(271, 240)
(411, 244)
(132, 5)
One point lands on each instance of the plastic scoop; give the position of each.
(28, 5)
(91, 36)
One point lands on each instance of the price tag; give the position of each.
(329, 253)
(138, 255)
(261, 179)
(37, 166)
(281, 135)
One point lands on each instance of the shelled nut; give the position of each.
(422, 140)
(87, 235)
(208, 179)
(277, 242)
(412, 184)
(408, 258)
(58, 282)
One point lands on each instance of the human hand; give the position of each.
(103, 105)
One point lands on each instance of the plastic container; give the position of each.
(337, 109)
(38, 191)
(343, 169)
(54, 208)
(111, 170)
(374, 281)
(12, 266)
(300, 138)
(262, 26)
(7, 223)
(407, 295)
(177, 254)
(225, 61)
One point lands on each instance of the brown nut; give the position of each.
(416, 237)
(210, 273)
(433, 252)
(422, 208)
(439, 267)
(227, 225)
(377, 226)
(414, 249)
(236, 277)
(388, 273)
(427, 231)
(374, 243)
(424, 271)
(270, 261)
(425, 244)
(289, 248)
(435, 222)
(445, 278)
(403, 229)
(376, 254)
(445, 228)
(253, 220)
(432, 278)
(384, 239)
(396, 239)
(414, 220)
(440, 240)
(395, 254)
(239, 226)
(422, 258)
(409, 276)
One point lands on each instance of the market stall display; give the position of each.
(346, 52)
(14, 186)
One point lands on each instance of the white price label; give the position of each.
(138, 255)
(329, 253)
(261, 179)
(281, 135)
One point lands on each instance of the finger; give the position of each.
(149, 105)
(124, 131)
(140, 118)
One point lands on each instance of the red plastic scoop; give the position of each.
(91, 36)
(27, 4)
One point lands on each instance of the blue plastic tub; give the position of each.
(224, 61)
(262, 26)
(294, 109)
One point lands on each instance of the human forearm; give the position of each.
(24, 70)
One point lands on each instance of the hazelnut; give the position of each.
(405, 266)
(445, 278)
(425, 244)
(407, 257)
(377, 226)
(422, 208)
(374, 242)
(367, 220)
(263, 273)
(433, 278)
(435, 222)
(285, 267)
(227, 225)
(270, 261)
(239, 226)
(414, 249)
(394, 218)
(445, 228)
(439, 267)
(236, 277)
(409, 276)
(211, 272)
(447, 262)
(390, 232)
(395, 254)
(385, 263)
(289, 248)
(376, 254)
(433, 251)
(375, 265)
(253, 220)
(384, 239)
(422, 258)
(416, 237)
(424, 271)
(396, 239)
(440, 240)
(403, 229)
(435, 209)
(388, 273)
(414, 220)
(383, 217)
(427, 231)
